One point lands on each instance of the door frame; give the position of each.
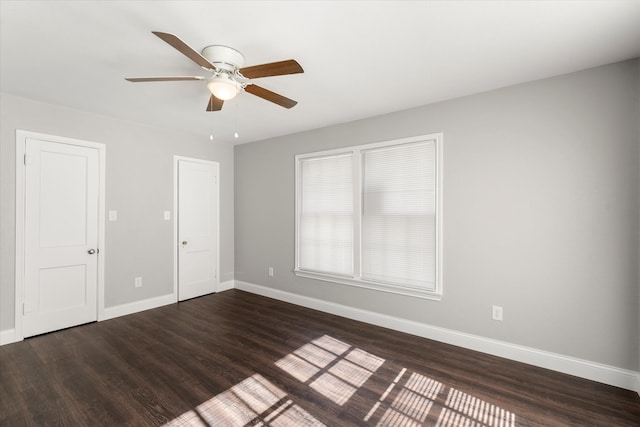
(21, 140)
(176, 160)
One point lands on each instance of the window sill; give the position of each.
(383, 287)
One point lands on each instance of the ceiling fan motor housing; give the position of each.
(224, 57)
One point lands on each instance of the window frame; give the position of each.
(356, 280)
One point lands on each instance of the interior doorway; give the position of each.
(59, 232)
(196, 233)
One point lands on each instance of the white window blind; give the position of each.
(326, 215)
(398, 215)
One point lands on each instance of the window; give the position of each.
(370, 216)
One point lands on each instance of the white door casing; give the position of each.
(197, 232)
(59, 273)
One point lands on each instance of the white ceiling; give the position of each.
(361, 58)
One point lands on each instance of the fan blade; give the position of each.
(214, 104)
(281, 68)
(163, 79)
(185, 49)
(270, 96)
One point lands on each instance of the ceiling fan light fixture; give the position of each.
(223, 87)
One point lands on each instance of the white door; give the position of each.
(61, 236)
(197, 228)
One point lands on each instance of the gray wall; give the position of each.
(541, 213)
(139, 185)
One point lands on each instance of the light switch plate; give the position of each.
(167, 215)
(113, 215)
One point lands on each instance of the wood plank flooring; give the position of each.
(239, 359)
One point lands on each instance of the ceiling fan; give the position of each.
(228, 77)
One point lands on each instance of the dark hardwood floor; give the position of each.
(236, 358)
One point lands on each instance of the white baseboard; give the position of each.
(225, 286)
(137, 306)
(8, 336)
(618, 377)
(134, 307)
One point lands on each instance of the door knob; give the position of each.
(184, 242)
(91, 251)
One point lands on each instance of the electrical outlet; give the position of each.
(270, 271)
(137, 282)
(496, 312)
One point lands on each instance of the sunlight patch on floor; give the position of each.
(465, 409)
(412, 403)
(413, 398)
(331, 367)
(333, 388)
(254, 401)
(297, 367)
(336, 371)
(315, 355)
